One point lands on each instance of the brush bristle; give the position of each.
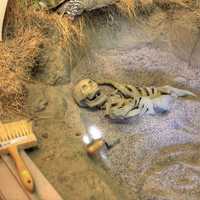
(14, 130)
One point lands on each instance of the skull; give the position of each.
(88, 94)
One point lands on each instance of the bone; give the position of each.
(126, 101)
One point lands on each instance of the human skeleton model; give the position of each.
(126, 101)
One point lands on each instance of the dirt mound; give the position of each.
(34, 43)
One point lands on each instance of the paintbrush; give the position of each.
(14, 136)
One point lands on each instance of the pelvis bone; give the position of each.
(87, 94)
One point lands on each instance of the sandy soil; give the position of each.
(157, 157)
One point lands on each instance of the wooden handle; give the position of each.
(23, 171)
(94, 147)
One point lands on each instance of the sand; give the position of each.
(158, 157)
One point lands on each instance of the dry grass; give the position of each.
(26, 30)
(131, 8)
(21, 18)
(16, 61)
(169, 3)
(69, 31)
(18, 54)
(127, 8)
(71, 34)
(11, 92)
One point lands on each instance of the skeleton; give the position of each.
(119, 107)
(87, 94)
(127, 100)
(134, 101)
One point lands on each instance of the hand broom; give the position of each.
(14, 136)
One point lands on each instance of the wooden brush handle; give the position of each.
(94, 147)
(23, 171)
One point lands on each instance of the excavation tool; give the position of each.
(13, 137)
(95, 142)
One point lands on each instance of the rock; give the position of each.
(184, 35)
(180, 79)
(53, 64)
(78, 134)
(195, 57)
(54, 78)
(45, 135)
(41, 105)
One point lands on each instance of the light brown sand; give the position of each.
(158, 157)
